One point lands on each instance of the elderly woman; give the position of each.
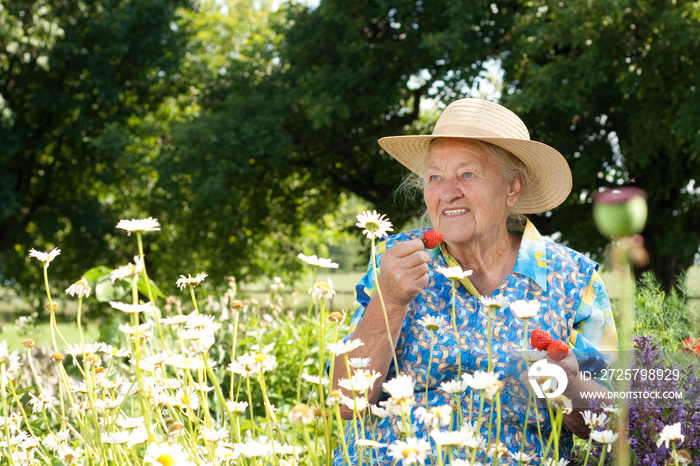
(480, 173)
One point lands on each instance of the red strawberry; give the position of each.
(540, 339)
(432, 239)
(557, 350)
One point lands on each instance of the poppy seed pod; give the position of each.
(620, 212)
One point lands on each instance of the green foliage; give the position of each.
(667, 316)
(72, 71)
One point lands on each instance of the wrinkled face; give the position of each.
(466, 193)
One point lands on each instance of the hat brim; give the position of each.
(549, 176)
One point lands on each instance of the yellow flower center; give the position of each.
(372, 226)
(166, 459)
(408, 452)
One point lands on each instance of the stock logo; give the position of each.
(556, 379)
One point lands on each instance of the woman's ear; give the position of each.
(515, 185)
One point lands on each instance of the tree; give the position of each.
(72, 71)
(290, 124)
(614, 86)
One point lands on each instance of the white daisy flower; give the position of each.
(400, 387)
(453, 273)
(132, 308)
(145, 224)
(525, 309)
(77, 349)
(143, 331)
(81, 289)
(237, 406)
(482, 380)
(359, 363)
(670, 433)
(413, 450)
(435, 416)
(250, 364)
(115, 438)
(379, 411)
(128, 271)
(343, 347)
(607, 437)
(563, 403)
(314, 379)
(214, 435)
(176, 320)
(322, 290)
(41, 402)
(552, 462)
(114, 351)
(356, 404)
(521, 457)
(456, 386)
(11, 361)
(369, 443)
(495, 303)
(68, 455)
(361, 380)
(593, 420)
(130, 422)
(160, 454)
(374, 224)
(253, 449)
(13, 422)
(318, 261)
(45, 257)
(183, 281)
(436, 324)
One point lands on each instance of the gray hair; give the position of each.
(413, 184)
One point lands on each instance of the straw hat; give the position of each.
(549, 176)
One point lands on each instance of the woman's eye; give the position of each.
(433, 178)
(468, 175)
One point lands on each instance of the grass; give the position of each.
(41, 334)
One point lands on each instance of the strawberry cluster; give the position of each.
(542, 340)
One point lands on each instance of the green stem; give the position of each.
(381, 301)
(54, 325)
(4, 413)
(305, 340)
(490, 330)
(427, 374)
(588, 450)
(454, 326)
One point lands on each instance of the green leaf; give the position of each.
(143, 289)
(106, 291)
(95, 273)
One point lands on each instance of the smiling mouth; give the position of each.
(450, 213)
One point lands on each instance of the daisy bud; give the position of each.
(336, 317)
(58, 357)
(236, 304)
(54, 305)
(28, 343)
(94, 359)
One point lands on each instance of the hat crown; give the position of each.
(480, 118)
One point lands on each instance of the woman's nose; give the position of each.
(450, 190)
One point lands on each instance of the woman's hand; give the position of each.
(403, 272)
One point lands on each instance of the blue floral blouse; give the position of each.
(574, 308)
